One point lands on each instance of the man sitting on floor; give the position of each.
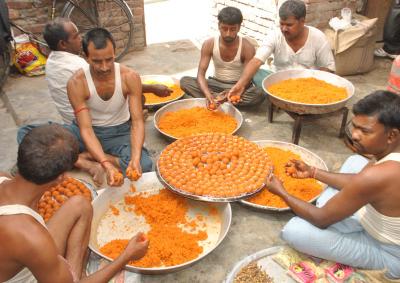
(65, 43)
(107, 101)
(357, 219)
(57, 251)
(230, 53)
(294, 46)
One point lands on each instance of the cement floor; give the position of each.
(27, 100)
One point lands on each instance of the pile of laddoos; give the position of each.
(308, 90)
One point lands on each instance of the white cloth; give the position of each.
(227, 71)
(383, 228)
(107, 113)
(60, 66)
(24, 276)
(316, 52)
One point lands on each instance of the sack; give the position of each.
(353, 48)
(391, 31)
(27, 58)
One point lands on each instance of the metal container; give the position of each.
(161, 79)
(303, 108)
(227, 108)
(204, 198)
(307, 156)
(217, 229)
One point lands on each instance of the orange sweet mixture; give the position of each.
(305, 189)
(308, 90)
(151, 98)
(56, 196)
(132, 174)
(214, 165)
(168, 244)
(196, 120)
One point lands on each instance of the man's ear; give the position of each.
(393, 135)
(61, 177)
(62, 45)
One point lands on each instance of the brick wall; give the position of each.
(32, 15)
(260, 16)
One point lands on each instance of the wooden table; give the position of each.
(300, 118)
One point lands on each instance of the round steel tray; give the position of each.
(203, 198)
(306, 155)
(149, 183)
(303, 108)
(162, 79)
(195, 102)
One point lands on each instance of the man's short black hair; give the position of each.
(99, 37)
(295, 8)
(45, 153)
(385, 105)
(230, 16)
(54, 32)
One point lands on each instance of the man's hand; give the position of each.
(234, 94)
(134, 165)
(137, 247)
(274, 185)
(299, 169)
(160, 90)
(114, 177)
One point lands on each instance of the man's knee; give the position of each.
(146, 163)
(296, 231)
(186, 80)
(354, 164)
(80, 205)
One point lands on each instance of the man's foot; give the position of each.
(98, 174)
(382, 53)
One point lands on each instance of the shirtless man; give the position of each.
(230, 54)
(294, 46)
(107, 101)
(57, 251)
(357, 220)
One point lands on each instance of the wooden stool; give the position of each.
(300, 118)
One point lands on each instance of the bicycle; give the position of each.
(113, 15)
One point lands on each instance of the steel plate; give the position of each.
(306, 155)
(303, 108)
(162, 79)
(203, 198)
(149, 183)
(195, 102)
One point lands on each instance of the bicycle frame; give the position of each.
(89, 16)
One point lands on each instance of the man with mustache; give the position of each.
(357, 218)
(294, 46)
(107, 101)
(230, 53)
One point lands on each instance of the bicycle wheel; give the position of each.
(113, 15)
(4, 65)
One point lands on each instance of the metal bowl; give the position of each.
(195, 102)
(149, 183)
(161, 79)
(307, 156)
(303, 108)
(204, 198)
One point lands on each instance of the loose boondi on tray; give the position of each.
(305, 189)
(173, 239)
(308, 90)
(196, 120)
(214, 165)
(151, 98)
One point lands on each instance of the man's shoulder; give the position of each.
(127, 71)
(317, 33)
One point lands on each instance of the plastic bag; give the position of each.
(27, 57)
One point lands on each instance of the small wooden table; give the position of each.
(300, 118)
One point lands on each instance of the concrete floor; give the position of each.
(26, 100)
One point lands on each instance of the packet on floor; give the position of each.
(339, 273)
(303, 272)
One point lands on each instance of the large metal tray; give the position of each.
(195, 102)
(303, 108)
(306, 155)
(203, 198)
(162, 79)
(149, 183)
